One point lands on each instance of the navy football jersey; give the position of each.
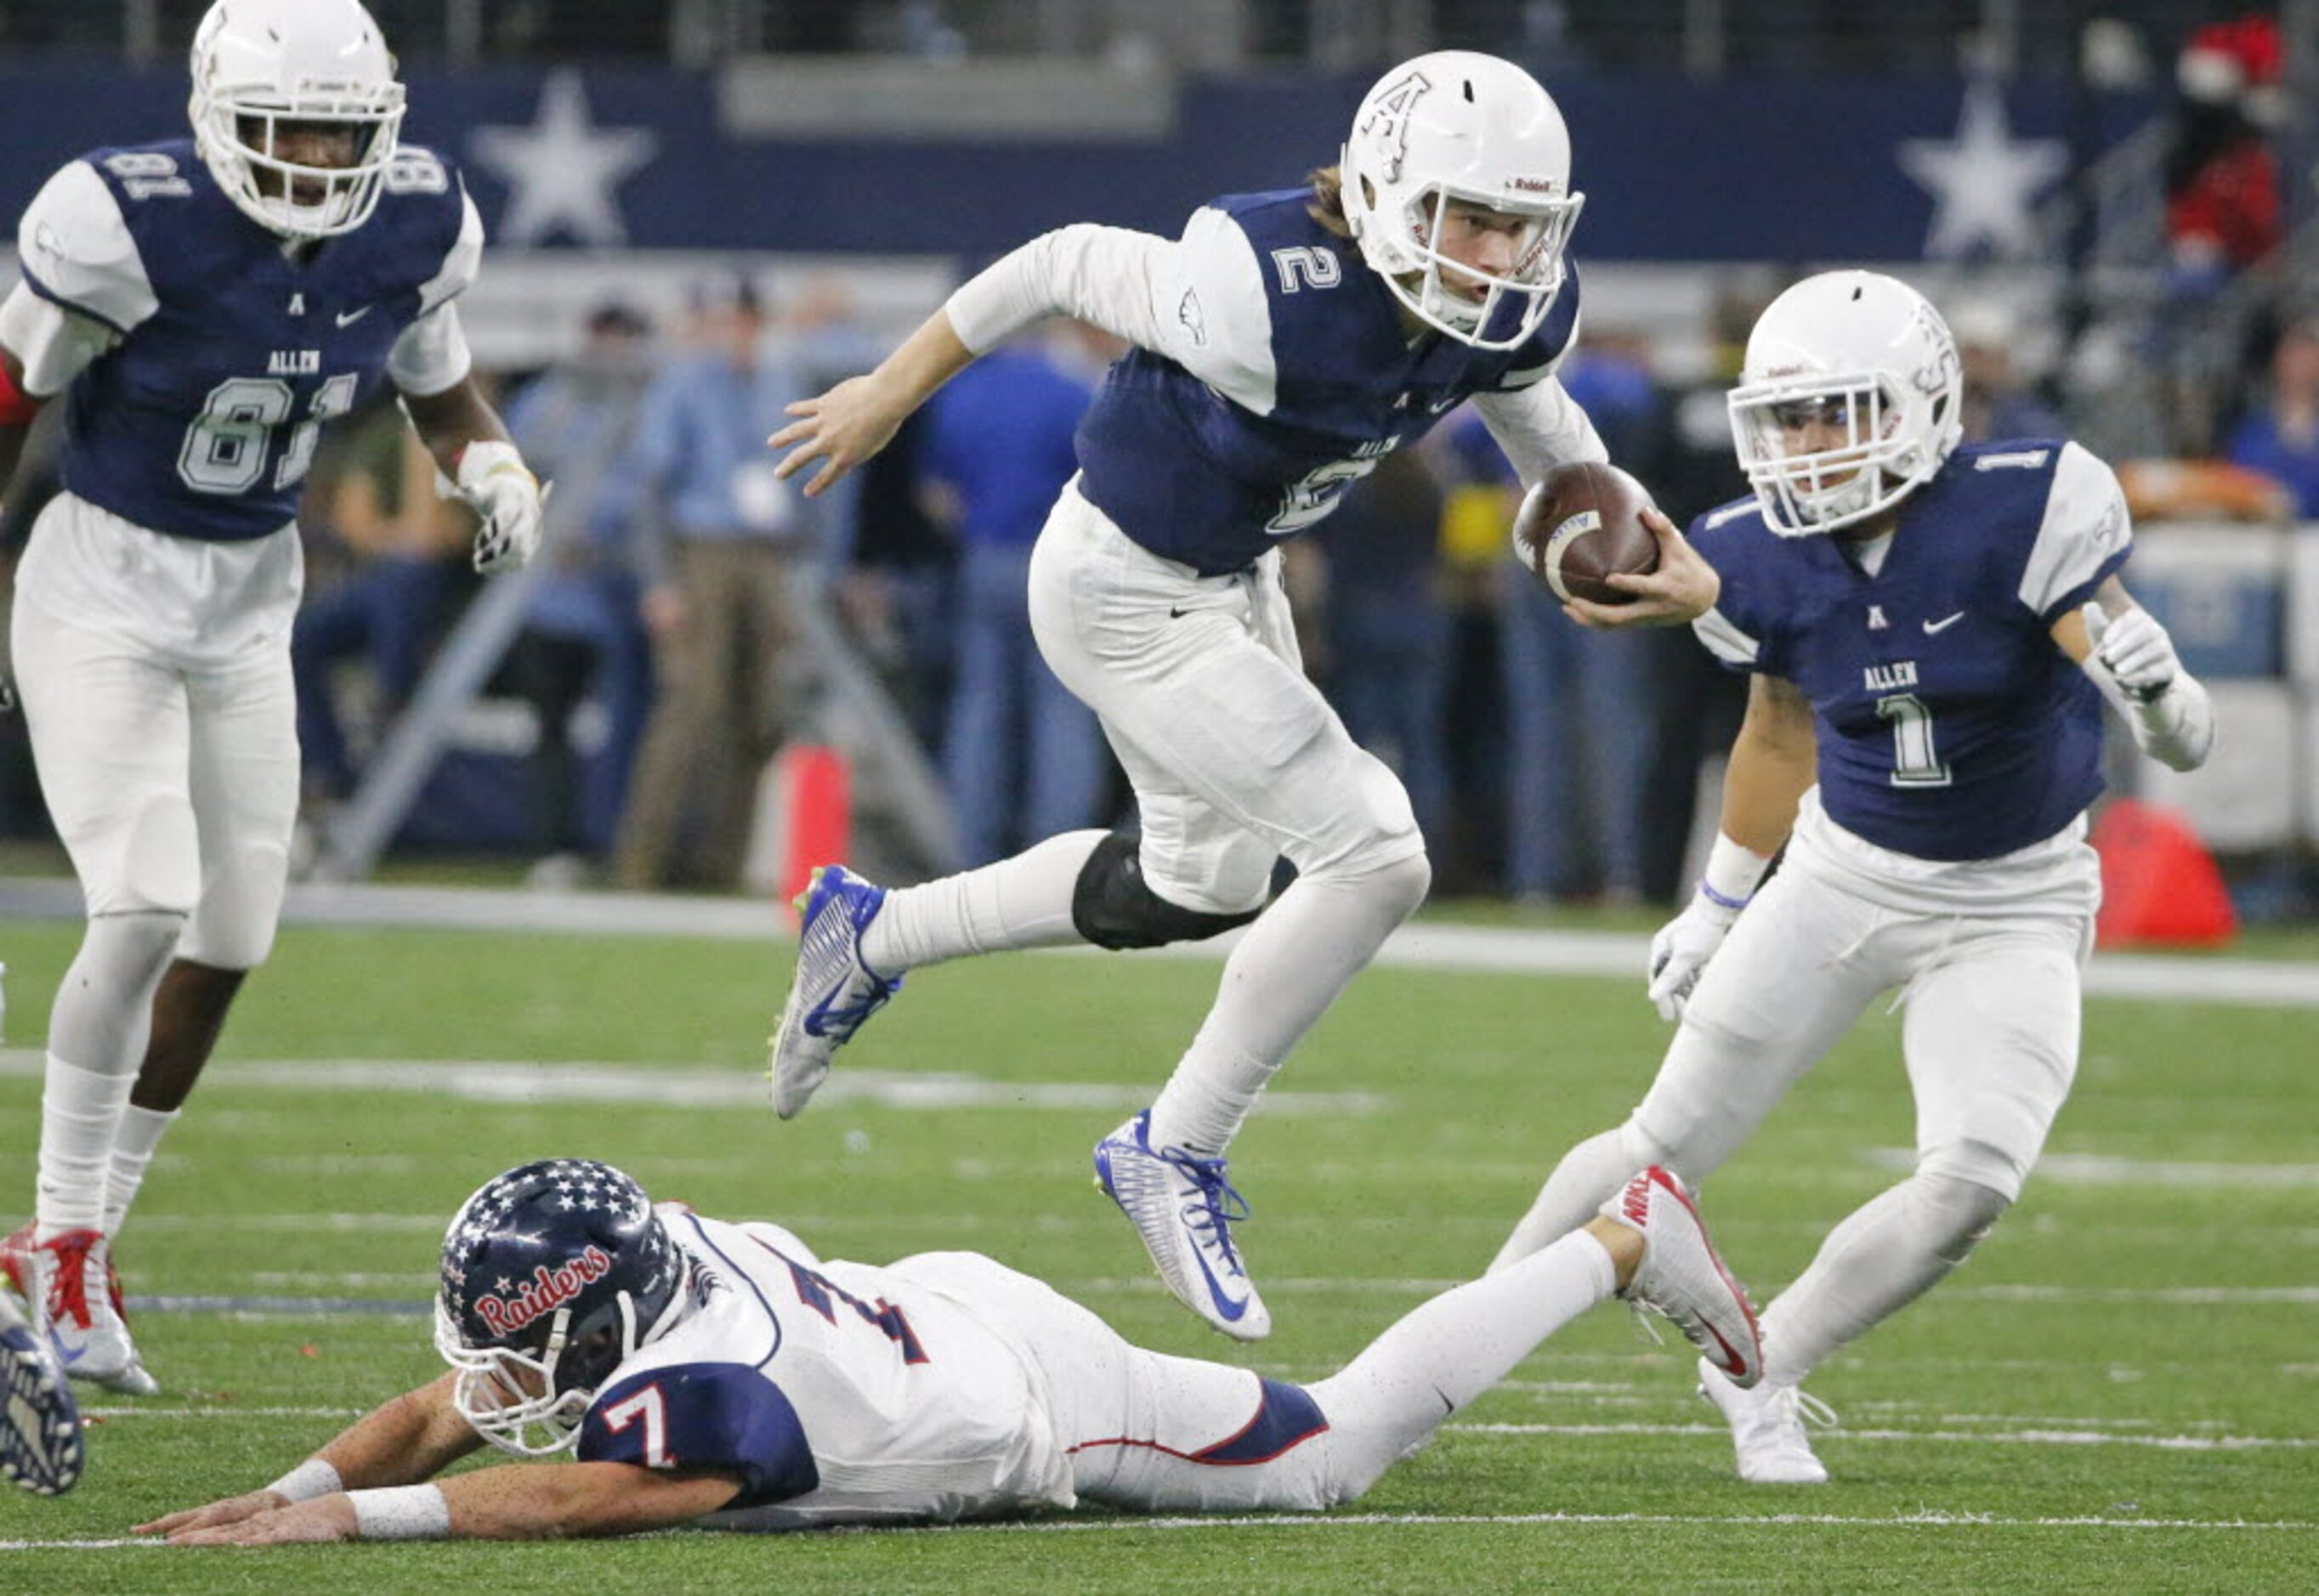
(1288, 373)
(836, 1392)
(1950, 725)
(202, 420)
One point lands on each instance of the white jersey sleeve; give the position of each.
(2086, 531)
(1198, 300)
(432, 354)
(1539, 427)
(77, 256)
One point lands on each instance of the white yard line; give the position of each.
(1428, 945)
(1328, 1521)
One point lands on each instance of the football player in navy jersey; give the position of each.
(696, 1367)
(1284, 345)
(1931, 631)
(203, 307)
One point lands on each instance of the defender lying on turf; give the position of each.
(706, 1368)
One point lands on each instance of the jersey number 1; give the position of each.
(1916, 761)
(225, 449)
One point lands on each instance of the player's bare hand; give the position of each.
(232, 1509)
(1683, 588)
(841, 429)
(322, 1520)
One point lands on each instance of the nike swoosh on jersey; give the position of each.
(1942, 625)
(345, 320)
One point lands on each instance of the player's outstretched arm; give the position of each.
(858, 416)
(2127, 653)
(1684, 587)
(522, 1501)
(407, 1439)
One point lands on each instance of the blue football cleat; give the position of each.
(42, 1448)
(1184, 1208)
(833, 991)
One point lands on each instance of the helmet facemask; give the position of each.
(238, 126)
(1868, 464)
(1512, 304)
(528, 1400)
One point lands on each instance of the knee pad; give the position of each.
(1112, 907)
(1960, 1209)
(1377, 828)
(233, 926)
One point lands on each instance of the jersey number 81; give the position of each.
(225, 448)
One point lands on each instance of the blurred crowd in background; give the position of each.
(665, 647)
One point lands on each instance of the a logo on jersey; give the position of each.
(1876, 621)
(1883, 679)
(146, 173)
(1934, 628)
(544, 1293)
(297, 304)
(349, 318)
(1388, 123)
(1196, 322)
(294, 363)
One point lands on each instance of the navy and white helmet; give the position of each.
(553, 1274)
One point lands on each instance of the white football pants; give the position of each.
(155, 672)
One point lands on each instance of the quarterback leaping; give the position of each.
(1930, 632)
(701, 1370)
(1281, 348)
(205, 307)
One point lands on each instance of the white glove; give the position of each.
(2135, 650)
(500, 490)
(1681, 949)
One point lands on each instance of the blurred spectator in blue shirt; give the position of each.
(717, 536)
(2280, 437)
(1024, 758)
(1582, 705)
(583, 629)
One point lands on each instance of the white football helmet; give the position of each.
(257, 63)
(1459, 125)
(1850, 398)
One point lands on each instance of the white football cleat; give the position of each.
(1767, 1429)
(834, 992)
(41, 1445)
(1184, 1208)
(1682, 1279)
(74, 1299)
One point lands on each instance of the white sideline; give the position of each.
(1428, 945)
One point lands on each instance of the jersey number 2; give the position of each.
(225, 448)
(1915, 760)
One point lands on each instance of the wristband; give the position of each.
(1733, 872)
(308, 1480)
(403, 1512)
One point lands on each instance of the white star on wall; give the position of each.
(562, 169)
(1984, 182)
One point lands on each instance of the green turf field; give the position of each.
(2120, 1392)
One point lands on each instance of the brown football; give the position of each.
(1583, 523)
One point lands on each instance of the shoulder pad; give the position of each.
(2084, 534)
(464, 257)
(75, 248)
(1215, 312)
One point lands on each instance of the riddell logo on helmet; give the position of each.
(544, 1293)
(1532, 185)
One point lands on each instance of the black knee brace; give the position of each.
(1112, 908)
